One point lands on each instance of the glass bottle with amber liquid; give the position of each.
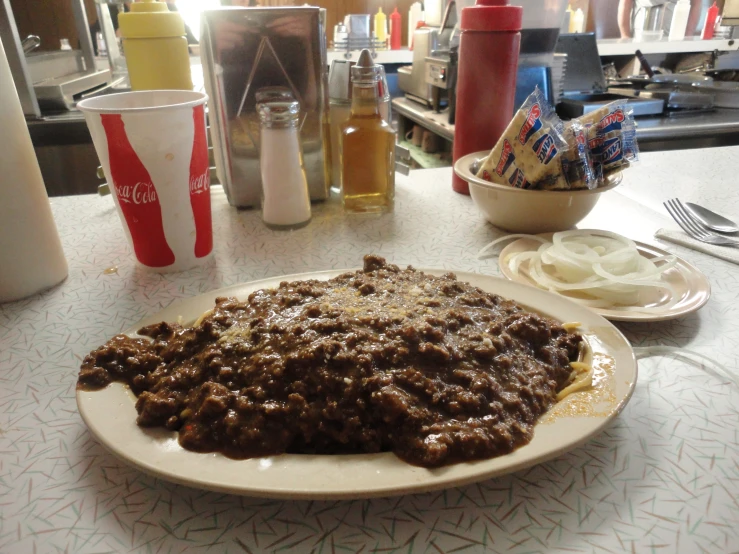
(367, 145)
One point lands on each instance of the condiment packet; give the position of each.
(528, 153)
(611, 138)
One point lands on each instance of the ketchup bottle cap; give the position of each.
(491, 15)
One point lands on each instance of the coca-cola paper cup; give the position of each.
(153, 148)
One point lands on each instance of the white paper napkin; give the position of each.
(728, 253)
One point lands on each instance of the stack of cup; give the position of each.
(153, 149)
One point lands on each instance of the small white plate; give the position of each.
(111, 417)
(689, 282)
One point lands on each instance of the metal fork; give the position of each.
(693, 228)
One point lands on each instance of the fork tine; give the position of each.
(695, 231)
(697, 227)
(678, 219)
(687, 215)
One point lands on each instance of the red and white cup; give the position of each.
(153, 149)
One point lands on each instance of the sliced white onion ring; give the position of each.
(598, 269)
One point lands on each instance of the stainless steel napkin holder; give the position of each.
(244, 50)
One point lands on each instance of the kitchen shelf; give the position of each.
(627, 46)
(427, 160)
(403, 56)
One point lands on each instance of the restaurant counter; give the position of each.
(662, 477)
(705, 130)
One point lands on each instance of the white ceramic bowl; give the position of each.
(528, 211)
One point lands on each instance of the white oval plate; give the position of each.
(111, 417)
(689, 282)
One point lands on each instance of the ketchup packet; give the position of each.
(528, 153)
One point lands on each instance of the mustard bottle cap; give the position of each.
(150, 19)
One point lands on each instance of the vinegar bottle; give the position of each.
(367, 146)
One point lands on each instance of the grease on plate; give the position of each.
(596, 401)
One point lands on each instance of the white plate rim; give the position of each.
(688, 271)
(335, 477)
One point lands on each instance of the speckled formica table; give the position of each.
(664, 477)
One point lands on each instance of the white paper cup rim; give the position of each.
(142, 101)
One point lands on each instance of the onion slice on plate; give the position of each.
(602, 269)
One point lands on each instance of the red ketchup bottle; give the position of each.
(395, 30)
(486, 79)
(710, 24)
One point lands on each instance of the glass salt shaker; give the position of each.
(285, 198)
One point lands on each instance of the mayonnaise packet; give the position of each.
(528, 152)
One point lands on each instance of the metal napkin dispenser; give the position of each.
(245, 50)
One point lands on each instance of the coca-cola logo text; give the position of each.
(140, 193)
(200, 184)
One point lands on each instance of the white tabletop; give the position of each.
(662, 478)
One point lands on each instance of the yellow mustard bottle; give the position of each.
(155, 47)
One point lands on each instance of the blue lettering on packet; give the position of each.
(518, 180)
(612, 151)
(545, 149)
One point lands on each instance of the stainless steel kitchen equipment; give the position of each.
(412, 78)
(651, 18)
(51, 81)
(584, 84)
(359, 25)
(61, 78)
(428, 42)
(244, 50)
(358, 36)
(542, 20)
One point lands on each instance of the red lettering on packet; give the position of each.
(137, 196)
(614, 117)
(531, 125)
(200, 186)
(506, 158)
